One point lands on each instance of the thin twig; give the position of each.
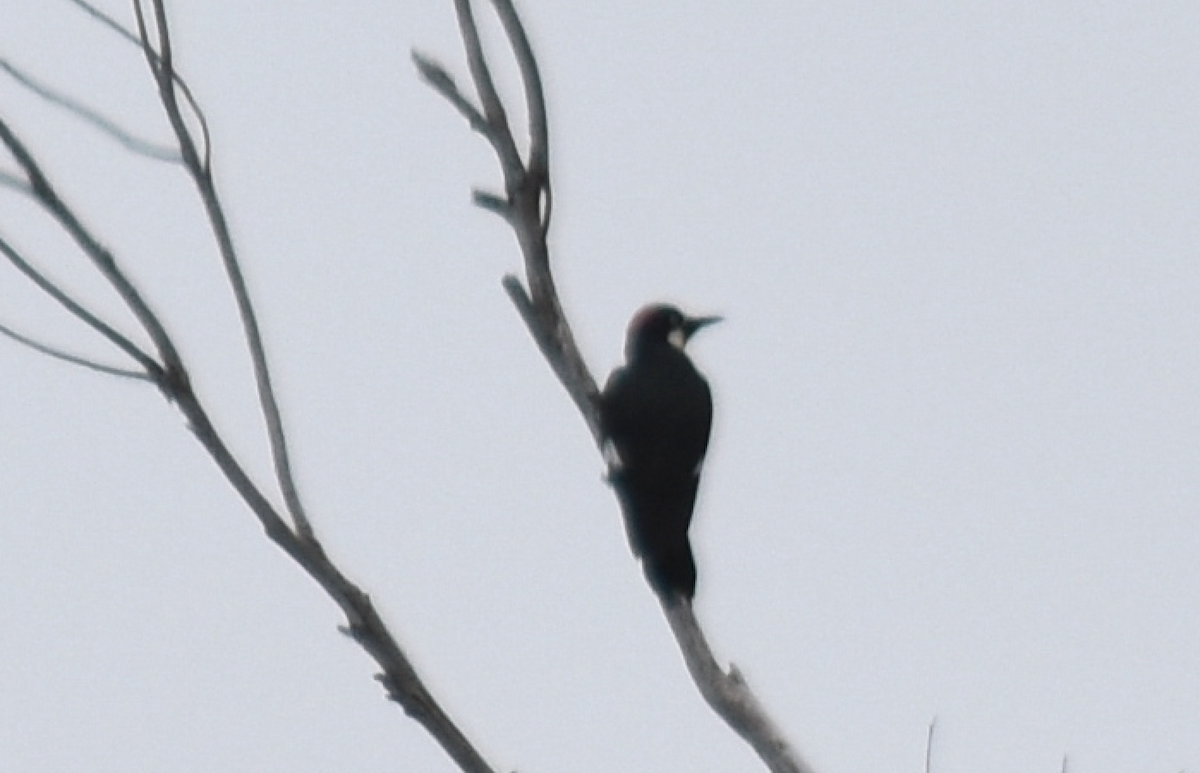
(497, 120)
(46, 285)
(45, 194)
(539, 133)
(90, 116)
(440, 81)
(15, 183)
(535, 100)
(107, 21)
(59, 354)
(929, 746)
(161, 63)
(137, 40)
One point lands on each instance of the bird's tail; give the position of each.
(656, 520)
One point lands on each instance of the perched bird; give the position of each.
(656, 411)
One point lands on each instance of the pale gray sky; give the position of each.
(954, 469)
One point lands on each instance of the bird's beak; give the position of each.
(692, 324)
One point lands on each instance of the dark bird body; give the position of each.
(657, 413)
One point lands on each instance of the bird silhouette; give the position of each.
(656, 412)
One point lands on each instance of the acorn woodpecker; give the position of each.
(657, 413)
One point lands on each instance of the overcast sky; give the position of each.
(954, 465)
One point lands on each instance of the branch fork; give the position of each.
(162, 364)
(526, 208)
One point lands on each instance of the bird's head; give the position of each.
(660, 324)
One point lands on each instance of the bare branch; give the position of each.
(297, 539)
(89, 116)
(539, 142)
(535, 101)
(107, 21)
(364, 624)
(46, 196)
(497, 205)
(440, 81)
(570, 372)
(15, 183)
(59, 354)
(161, 65)
(46, 285)
(498, 132)
(526, 203)
(929, 746)
(526, 207)
(148, 51)
(729, 695)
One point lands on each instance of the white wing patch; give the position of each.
(611, 457)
